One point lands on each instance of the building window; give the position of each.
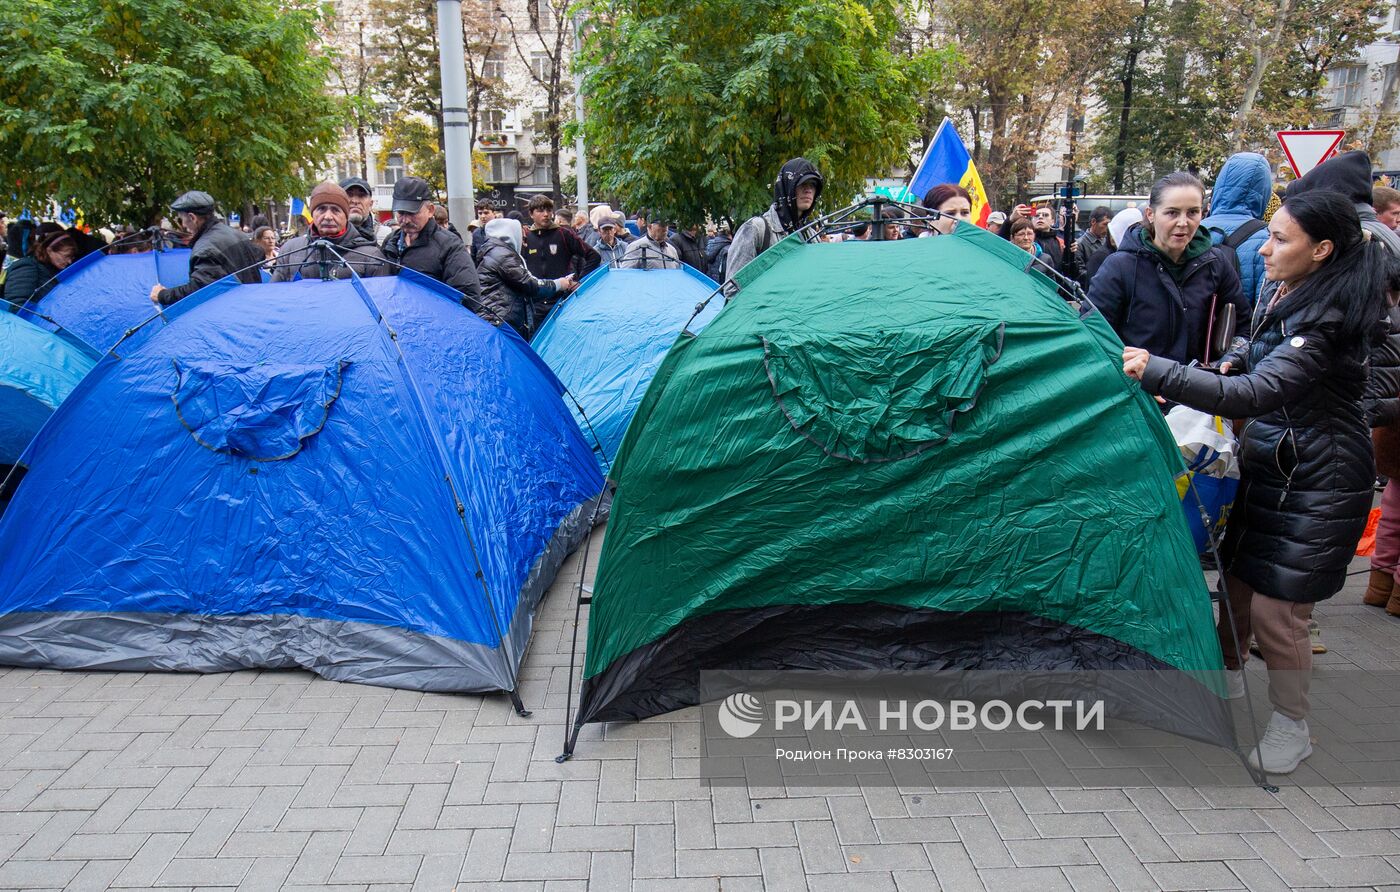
(494, 66)
(541, 65)
(393, 169)
(493, 120)
(1346, 84)
(502, 167)
(539, 175)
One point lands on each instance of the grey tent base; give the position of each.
(338, 650)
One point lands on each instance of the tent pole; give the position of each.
(518, 704)
(1261, 777)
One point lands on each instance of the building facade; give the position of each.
(513, 48)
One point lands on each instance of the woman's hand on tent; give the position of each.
(1135, 362)
(156, 289)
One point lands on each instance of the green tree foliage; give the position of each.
(1178, 94)
(1023, 63)
(116, 106)
(692, 110)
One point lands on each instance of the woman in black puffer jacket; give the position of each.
(508, 290)
(1306, 460)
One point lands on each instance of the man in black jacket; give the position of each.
(690, 244)
(422, 246)
(552, 251)
(216, 249)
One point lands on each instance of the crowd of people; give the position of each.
(1250, 301)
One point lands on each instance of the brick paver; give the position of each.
(269, 780)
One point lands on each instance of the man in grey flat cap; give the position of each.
(216, 249)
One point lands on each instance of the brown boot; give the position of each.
(1380, 591)
(1393, 605)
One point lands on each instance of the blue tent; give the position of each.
(357, 477)
(103, 296)
(38, 369)
(606, 341)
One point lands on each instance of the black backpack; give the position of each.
(1237, 238)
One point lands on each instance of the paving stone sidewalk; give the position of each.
(280, 780)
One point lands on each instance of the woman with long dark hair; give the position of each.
(1305, 451)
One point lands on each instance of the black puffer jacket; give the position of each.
(1147, 308)
(218, 250)
(508, 290)
(25, 278)
(1383, 387)
(1306, 461)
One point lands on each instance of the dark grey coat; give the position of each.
(217, 251)
(360, 252)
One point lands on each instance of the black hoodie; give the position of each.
(794, 174)
(1348, 174)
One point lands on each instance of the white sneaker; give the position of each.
(1285, 743)
(1234, 684)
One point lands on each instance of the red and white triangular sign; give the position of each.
(1307, 149)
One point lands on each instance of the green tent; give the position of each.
(892, 455)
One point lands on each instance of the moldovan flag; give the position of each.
(947, 161)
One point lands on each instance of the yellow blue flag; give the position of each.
(947, 161)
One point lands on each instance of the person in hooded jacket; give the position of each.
(1349, 174)
(302, 257)
(510, 294)
(216, 250)
(1161, 288)
(795, 193)
(1239, 199)
(1305, 451)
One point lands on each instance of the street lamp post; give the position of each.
(581, 160)
(456, 117)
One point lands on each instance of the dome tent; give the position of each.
(895, 455)
(357, 477)
(102, 296)
(607, 339)
(38, 369)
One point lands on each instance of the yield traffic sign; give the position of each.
(1307, 149)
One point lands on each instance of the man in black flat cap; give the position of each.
(421, 245)
(216, 249)
(362, 209)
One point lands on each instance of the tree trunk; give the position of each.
(1264, 50)
(1130, 61)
